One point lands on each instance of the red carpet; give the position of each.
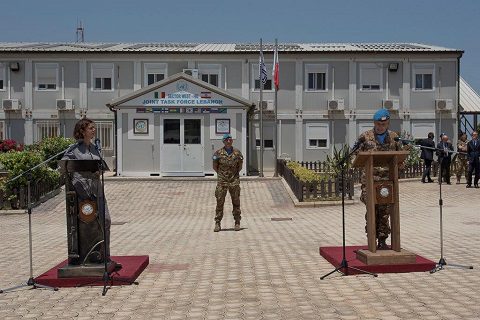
(334, 256)
(132, 267)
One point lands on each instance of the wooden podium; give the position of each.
(383, 192)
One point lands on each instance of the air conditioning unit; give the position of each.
(391, 104)
(443, 104)
(191, 72)
(65, 104)
(336, 104)
(11, 104)
(267, 105)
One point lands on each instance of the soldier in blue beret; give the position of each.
(381, 115)
(379, 139)
(227, 163)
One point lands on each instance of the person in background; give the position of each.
(427, 156)
(461, 159)
(473, 154)
(227, 163)
(444, 153)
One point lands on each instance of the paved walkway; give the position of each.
(268, 270)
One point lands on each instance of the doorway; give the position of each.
(182, 146)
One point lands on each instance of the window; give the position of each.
(423, 76)
(171, 131)
(210, 78)
(420, 130)
(210, 73)
(104, 132)
(3, 135)
(317, 135)
(267, 136)
(256, 74)
(2, 77)
(370, 77)
(316, 77)
(46, 129)
(46, 76)
(154, 72)
(267, 143)
(102, 76)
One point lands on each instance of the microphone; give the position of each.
(98, 145)
(358, 143)
(403, 141)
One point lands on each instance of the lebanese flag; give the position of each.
(275, 69)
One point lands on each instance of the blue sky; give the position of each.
(452, 24)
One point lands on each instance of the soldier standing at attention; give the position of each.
(227, 163)
(379, 139)
(462, 164)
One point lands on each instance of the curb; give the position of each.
(211, 179)
(43, 199)
(12, 212)
(312, 204)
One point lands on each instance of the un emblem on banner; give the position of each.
(182, 86)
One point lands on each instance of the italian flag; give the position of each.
(275, 69)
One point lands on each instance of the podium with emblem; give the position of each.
(85, 223)
(383, 192)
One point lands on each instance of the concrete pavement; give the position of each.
(268, 270)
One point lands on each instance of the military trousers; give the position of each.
(382, 217)
(382, 223)
(462, 168)
(220, 194)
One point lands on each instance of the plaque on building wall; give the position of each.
(140, 126)
(222, 126)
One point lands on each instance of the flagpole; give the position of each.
(275, 56)
(260, 173)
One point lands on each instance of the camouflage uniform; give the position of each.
(228, 170)
(382, 212)
(462, 162)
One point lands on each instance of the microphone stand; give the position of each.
(344, 267)
(101, 190)
(442, 262)
(31, 281)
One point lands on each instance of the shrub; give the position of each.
(18, 162)
(334, 161)
(306, 175)
(414, 155)
(49, 147)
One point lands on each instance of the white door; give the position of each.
(171, 146)
(182, 146)
(192, 146)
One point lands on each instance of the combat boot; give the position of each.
(217, 227)
(237, 226)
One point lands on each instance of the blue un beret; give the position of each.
(226, 136)
(381, 115)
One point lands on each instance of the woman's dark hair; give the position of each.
(80, 127)
(431, 135)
